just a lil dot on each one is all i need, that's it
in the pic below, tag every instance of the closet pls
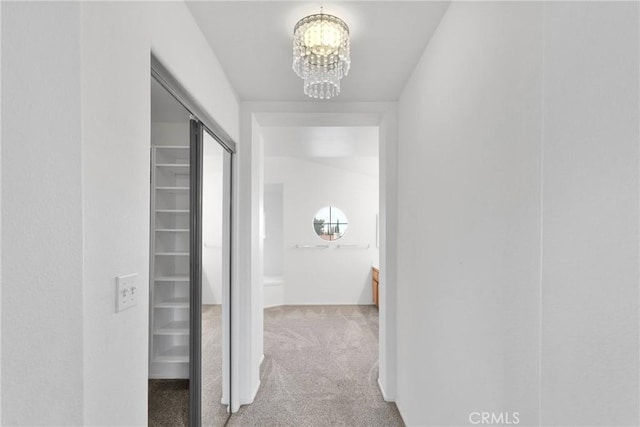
(169, 287)
(189, 260)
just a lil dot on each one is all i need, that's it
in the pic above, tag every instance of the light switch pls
(126, 291)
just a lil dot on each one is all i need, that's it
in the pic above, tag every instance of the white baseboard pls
(400, 412)
(385, 396)
(251, 398)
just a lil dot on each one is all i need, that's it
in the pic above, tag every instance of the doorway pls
(271, 285)
(257, 116)
(321, 199)
(190, 258)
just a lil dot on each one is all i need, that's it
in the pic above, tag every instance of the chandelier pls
(321, 54)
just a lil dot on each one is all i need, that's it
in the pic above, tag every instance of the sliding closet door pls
(216, 186)
(210, 270)
(195, 273)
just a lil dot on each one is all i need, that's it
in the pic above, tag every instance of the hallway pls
(320, 369)
(508, 204)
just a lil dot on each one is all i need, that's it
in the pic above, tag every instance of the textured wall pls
(42, 341)
(117, 41)
(590, 215)
(518, 225)
(469, 218)
(75, 176)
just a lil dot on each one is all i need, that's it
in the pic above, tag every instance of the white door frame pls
(247, 287)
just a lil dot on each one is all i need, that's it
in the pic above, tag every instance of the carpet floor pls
(168, 403)
(320, 369)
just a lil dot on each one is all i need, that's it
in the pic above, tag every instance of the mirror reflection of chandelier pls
(321, 54)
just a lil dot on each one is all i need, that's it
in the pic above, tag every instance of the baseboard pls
(247, 400)
(385, 396)
(250, 400)
(400, 412)
(273, 282)
(315, 304)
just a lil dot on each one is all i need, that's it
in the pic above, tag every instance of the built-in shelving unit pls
(169, 287)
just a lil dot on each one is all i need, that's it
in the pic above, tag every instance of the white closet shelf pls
(175, 354)
(172, 211)
(169, 226)
(172, 279)
(177, 327)
(172, 188)
(173, 303)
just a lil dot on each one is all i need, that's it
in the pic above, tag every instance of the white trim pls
(270, 281)
(236, 288)
(248, 297)
(384, 394)
(250, 399)
(403, 420)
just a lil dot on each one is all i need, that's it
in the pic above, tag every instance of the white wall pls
(469, 218)
(212, 222)
(116, 43)
(0, 221)
(519, 118)
(590, 216)
(42, 376)
(388, 258)
(84, 69)
(273, 295)
(274, 230)
(170, 133)
(327, 276)
(247, 306)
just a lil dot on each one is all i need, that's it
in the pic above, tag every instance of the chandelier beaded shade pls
(321, 54)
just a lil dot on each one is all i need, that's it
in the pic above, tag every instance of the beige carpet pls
(168, 403)
(213, 412)
(320, 369)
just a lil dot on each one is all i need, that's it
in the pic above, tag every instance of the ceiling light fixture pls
(321, 54)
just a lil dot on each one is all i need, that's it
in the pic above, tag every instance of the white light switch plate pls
(126, 291)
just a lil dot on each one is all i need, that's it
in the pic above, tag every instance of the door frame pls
(200, 122)
(248, 303)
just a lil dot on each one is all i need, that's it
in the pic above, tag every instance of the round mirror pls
(330, 223)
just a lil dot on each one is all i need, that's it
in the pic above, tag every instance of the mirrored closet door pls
(189, 292)
(211, 217)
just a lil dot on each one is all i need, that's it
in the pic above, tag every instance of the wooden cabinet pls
(374, 284)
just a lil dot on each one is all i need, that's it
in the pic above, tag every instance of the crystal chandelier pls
(321, 54)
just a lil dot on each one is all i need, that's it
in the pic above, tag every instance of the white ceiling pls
(320, 141)
(253, 41)
(354, 149)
